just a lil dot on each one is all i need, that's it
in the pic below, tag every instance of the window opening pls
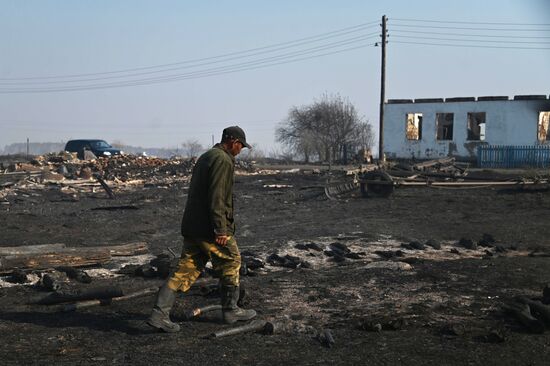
(544, 122)
(444, 125)
(476, 126)
(414, 126)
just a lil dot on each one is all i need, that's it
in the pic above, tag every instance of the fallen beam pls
(253, 326)
(124, 250)
(97, 293)
(32, 249)
(72, 257)
(107, 189)
(128, 249)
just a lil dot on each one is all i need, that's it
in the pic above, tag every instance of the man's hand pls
(222, 239)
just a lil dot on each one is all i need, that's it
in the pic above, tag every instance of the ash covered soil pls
(383, 303)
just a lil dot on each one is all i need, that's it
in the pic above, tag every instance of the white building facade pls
(435, 128)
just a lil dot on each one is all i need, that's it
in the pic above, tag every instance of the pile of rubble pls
(65, 170)
(122, 167)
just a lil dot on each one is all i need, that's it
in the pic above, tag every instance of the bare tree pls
(191, 148)
(326, 129)
(364, 136)
(252, 154)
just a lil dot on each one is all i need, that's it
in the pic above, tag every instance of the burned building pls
(433, 128)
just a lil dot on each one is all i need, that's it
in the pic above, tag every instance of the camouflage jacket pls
(209, 208)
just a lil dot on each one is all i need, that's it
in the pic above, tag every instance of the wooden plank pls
(32, 249)
(128, 249)
(123, 250)
(73, 257)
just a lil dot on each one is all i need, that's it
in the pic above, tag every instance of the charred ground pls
(435, 306)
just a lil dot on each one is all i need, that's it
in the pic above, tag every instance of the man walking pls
(208, 230)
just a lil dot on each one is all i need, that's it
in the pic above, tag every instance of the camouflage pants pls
(226, 261)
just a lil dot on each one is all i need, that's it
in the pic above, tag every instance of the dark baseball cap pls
(237, 133)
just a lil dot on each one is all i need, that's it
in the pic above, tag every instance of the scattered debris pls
(433, 243)
(467, 243)
(391, 265)
(109, 300)
(522, 313)
(288, 261)
(377, 325)
(71, 295)
(256, 325)
(413, 245)
(54, 281)
(326, 338)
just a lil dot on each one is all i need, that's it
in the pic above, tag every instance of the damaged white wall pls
(507, 122)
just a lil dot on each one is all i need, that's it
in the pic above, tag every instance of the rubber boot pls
(231, 312)
(160, 316)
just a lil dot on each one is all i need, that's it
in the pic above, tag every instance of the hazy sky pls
(82, 46)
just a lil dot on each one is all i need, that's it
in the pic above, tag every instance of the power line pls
(322, 46)
(473, 46)
(472, 40)
(462, 22)
(470, 35)
(313, 38)
(471, 28)
(181, 77)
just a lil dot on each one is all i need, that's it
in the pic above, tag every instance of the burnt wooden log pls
(522, 313)
(54, 281)
(107, 189)
(107, 301)
(124, 250)
(75, 274)
(97, 293)
(538, 310)
(31, 249)
(193, 313)
(58, 255)
(73, 257)
(253, 326)
(326, 338)
(546, 294)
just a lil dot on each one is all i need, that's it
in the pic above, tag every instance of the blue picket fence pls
(499, 156)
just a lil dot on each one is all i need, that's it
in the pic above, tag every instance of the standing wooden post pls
(382, 91)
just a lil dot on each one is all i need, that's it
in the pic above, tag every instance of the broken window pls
(444, 125)
(476, 126)
(544, 121)
(414, 126)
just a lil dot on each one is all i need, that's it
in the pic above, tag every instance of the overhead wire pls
(242, 66)
(474, 46)
(463, 22)
(292, 43)
(29, 82)
(471, 40)
(472, 28)
(292, 51)
(215, 72)
(426, 34)
(469, 35)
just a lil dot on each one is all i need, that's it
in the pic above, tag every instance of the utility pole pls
(382, 91)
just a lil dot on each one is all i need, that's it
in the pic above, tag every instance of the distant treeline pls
(41, 148)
